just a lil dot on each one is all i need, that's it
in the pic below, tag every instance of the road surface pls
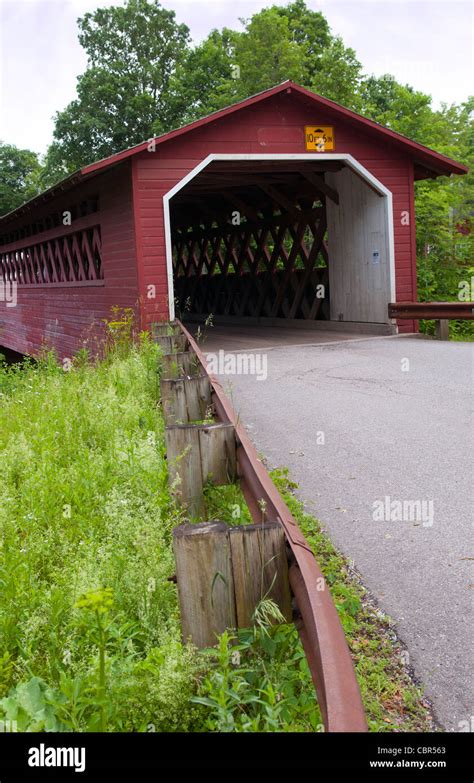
(361, 420)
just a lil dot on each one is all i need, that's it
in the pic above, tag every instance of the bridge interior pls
(249, 241)
(251, 245)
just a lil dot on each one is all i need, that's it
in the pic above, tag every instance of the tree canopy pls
(19, 176)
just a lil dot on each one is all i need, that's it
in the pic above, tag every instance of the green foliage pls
(227, 504)
(85, 515)
(338, 75)
(310, 31)
(203, 80)
(19, 176)
(277, 43)
(260, 681)
(445, 235)
(30, 705)
(89, 622)
(267, 33)
(119, 331)
(123, 96)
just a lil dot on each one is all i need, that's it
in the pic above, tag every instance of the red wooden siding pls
(274, 126)
(67, 314)
(114, 252)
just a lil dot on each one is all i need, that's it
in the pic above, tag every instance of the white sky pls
(427, 43)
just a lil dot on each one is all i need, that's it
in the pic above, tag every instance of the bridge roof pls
(428, 163)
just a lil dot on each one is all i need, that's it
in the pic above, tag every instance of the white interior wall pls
(359, 251)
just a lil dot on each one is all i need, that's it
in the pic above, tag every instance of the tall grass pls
(89, 619)
(84, 507)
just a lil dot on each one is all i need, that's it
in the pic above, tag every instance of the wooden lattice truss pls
(72, 258)
(272, 264)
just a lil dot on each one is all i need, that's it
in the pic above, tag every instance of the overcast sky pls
(427, 43)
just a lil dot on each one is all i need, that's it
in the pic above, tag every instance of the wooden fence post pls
(223, 573)
(204, 577)
(198, 453)
(218, 453)
(184, 467)
(179, 365)
(260, 570)
(174, 343)
(164, 329)
(186, 399)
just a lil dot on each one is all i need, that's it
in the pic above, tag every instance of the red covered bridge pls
(285, 206)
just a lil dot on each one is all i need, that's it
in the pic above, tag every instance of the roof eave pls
(435, 162)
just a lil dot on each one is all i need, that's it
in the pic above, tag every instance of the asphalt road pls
(390, 432)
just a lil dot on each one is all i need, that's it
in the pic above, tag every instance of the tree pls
(19, 176)
(123, 96)
(310, 30)
(398, 107)
(230, 66)
(338, 75)
(266, 53)
(445, 209)
(204, 80)
(278, 43)
(330, 68)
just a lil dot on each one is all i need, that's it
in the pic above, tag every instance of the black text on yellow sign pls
(319, 138)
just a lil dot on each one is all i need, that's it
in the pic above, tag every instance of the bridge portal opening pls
(276, 240)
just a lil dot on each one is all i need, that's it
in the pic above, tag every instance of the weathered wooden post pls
(260, 569)
(205, 583)
(184, 467)
(186, 399)
(196, 454)
(174, 343)
(164, 329)
(442, 329)
(218, 453)
(179, 365)
(223, 574)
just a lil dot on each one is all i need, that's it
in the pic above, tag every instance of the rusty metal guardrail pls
(437, 311)
(317, 619)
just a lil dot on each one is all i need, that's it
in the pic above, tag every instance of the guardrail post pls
(165, 329)
(179, 365)
(186, 399)
(223, 573)
(205, 582)
(173, 343)
(218, 453)
(198, 453)
(442, 329)
(260, 570)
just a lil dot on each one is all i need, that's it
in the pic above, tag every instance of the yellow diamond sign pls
(319, 138)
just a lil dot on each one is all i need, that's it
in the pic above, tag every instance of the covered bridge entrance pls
(283, 208)
(281, 237)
